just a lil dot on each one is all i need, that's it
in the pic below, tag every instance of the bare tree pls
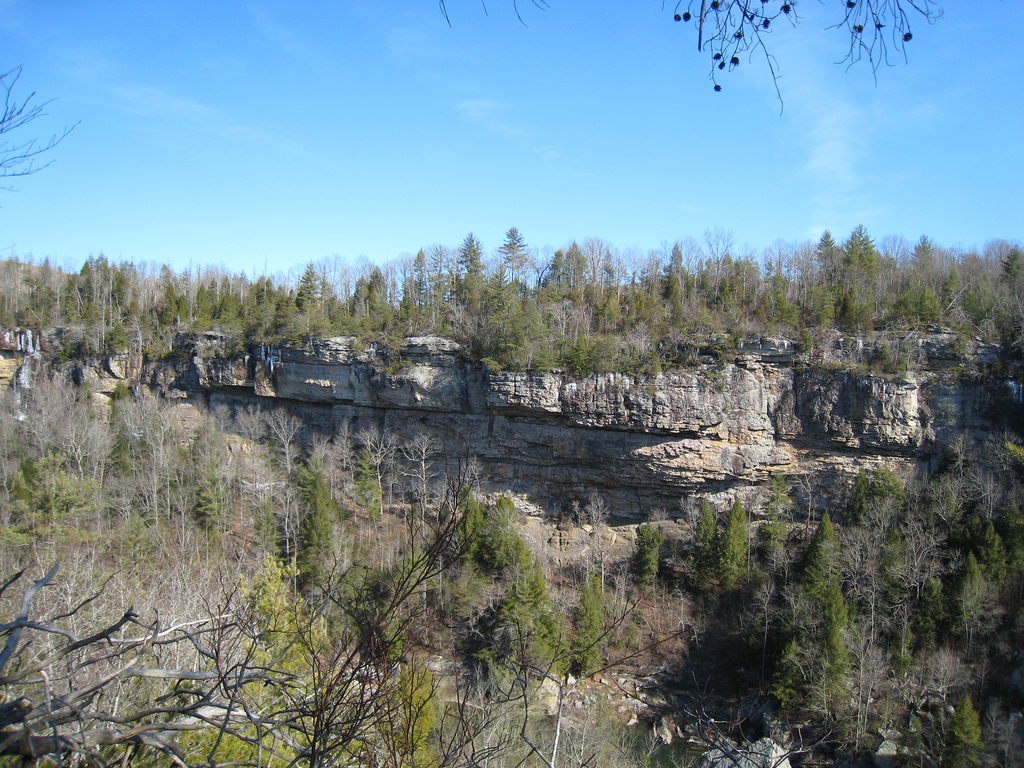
(88, 697)
(377, 455)
(316, 682)
(251, 425)
(343, 444)
(283, 428)
(420, 452)
(870, 669)
(152, 439)
(19, 157)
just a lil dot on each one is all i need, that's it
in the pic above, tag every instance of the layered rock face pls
(641, 443)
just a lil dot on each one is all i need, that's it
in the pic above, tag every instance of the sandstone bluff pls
(718, 427)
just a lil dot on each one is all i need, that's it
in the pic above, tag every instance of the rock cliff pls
(641, 442)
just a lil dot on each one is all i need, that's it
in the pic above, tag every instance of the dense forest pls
(240, 588)
(582, 308)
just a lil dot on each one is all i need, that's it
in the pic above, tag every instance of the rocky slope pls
(642, 443)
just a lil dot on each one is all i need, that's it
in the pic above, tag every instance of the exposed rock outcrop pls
(641, 442)
(764, 753)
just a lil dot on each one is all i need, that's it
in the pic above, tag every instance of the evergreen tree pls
(307, 295)
(930, 618)
(1010, 525)
(368, 487)
(317, 523)
(705, 546)
(819, 562)
(647, 558)
(526, 618)
(886, 486)
(820, 580)
(588, 626)
(575, 269)
(211, 498)
(513, 254)
(46, 496)
(471, 267)
(962, 745)
(772, 532)
(829, 257)
(471, 526)
(891, 567)
(787, 681)
(1013, 266)
(835, 617)
(421, 281)
(503, 333)
(860, 500)
(861, 259)
(416, 705)
(554, 276)
(990, 552)
(501, 547)
(734, 548)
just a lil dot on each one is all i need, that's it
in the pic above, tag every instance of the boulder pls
(763, 753)
(886, 753)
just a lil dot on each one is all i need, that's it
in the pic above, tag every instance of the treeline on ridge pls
(583, 308)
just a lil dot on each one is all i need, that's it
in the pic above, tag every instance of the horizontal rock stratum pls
(712, 429)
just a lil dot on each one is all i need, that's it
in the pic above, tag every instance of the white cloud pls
(148, 101)
(497, 117)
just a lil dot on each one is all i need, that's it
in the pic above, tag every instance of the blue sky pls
(275, 133)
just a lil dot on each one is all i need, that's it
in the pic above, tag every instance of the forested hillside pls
(586, 307)
(242, 587)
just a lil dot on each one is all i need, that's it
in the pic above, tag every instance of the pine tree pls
(471, 266)
(317, 523)
(828, 256)
(1013, 266)
(1010, 525)
(211, 498)
(962, 746)
(705, 546)
(646, 558)
(772, 532)
(526, 618)
(991, 554)
(891, 566)
(886, 486)
(930, 618)
(308, 292)
(513, 254)
(835, 616)
(420, 280)
(819, 562)
(416, 705)
(820, 580)
(471, 526)
(734, 549)
(861, 258)
(787, 681)
(860, 499)
(501, 547)
(588, 626)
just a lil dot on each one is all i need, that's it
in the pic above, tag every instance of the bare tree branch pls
(19, 158)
